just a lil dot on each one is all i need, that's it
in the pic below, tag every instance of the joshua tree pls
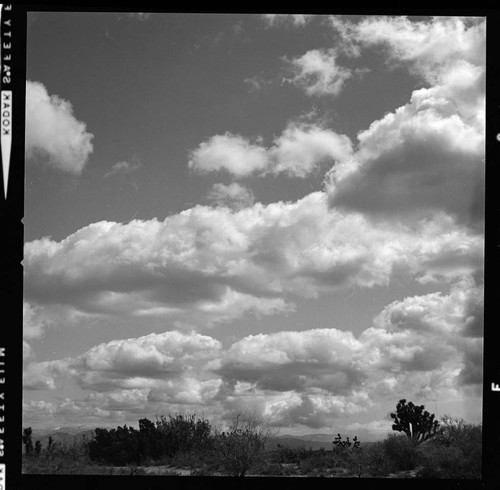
(417, 424)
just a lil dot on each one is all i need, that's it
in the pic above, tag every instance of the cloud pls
(68, 412)
(284, 361)
(318, 73)
(123, 167)
(460, 312)
(440, 328)
(256, 83)
(232, 153)
(313, 377)
(27, 351)
(34, 323)
(53, 135)
(429, 47)
(300, 149)
(420, 347)
(211, 264)
(234, 195)
(129, 364)
(295, 20)
(297, 152)
(427, 155)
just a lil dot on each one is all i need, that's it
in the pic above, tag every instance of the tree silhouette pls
(27, 441)
(418, 424)
(243, 446)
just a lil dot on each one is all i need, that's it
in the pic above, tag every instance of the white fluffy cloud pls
(430, 47)
(207, 264)
(229, 152)
(427, 155)
(422, 347)
(297, 152)
(152, 361)
(234, 195)
(300, 149)
(53, 133)
(318, 72)
(422, 157)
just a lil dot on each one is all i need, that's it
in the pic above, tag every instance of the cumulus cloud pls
(459, 312)
(422, 157)
(420, 347)
(427, 155)
(430, 47)
(234, 195)
(318, 72)
(456, 319)
(313, 377)
(53, 134)
(297, 152)
(229, 152)
(300, 149)
(285, 361)
(34, 323)
(212, 264)
(144, 362)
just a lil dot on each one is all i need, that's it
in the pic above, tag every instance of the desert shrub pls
(400, 452)
(243, 446)
(377, 463)
(285, 454)
(307, 466)
(349, 455)
(59, 459)
(181, 434)
(165, 439)
(289, 470)
(270, 469)
(192, 459)
(455, 453)
(118, 447)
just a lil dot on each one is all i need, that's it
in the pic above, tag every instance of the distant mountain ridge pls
(70, 434)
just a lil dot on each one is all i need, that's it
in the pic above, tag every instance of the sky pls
(275, 213)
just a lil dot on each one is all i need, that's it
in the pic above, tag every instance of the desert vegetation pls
(419, 447)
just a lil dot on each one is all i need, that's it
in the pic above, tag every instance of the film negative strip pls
(6, 93)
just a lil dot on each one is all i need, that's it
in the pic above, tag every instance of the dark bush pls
(400, 452)
(243, 446)
(167, 438)
(454, 453)
(119, 447)
(377, 461)
(183, 434)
